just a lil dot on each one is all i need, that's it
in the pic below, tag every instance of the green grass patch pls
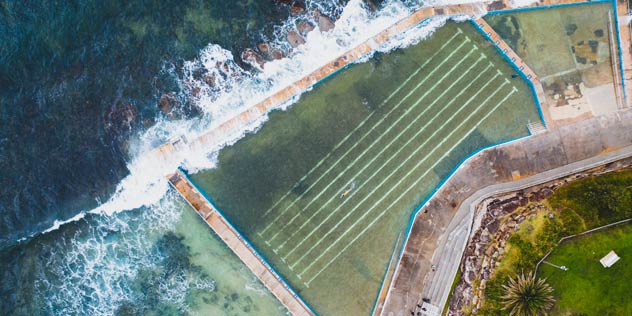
(596, 200)
(588, 288)
(582, 205)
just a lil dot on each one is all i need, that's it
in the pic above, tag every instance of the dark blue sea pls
(87, 226)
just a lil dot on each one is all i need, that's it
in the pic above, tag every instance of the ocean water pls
(87, 224)
(159, 260)
(80, 80)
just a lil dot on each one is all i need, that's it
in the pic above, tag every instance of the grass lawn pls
(577, 207)
(588, 288)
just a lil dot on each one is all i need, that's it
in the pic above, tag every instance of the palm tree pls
(527, 296)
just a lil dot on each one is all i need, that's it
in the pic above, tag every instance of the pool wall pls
(242, 237)
(538, 104)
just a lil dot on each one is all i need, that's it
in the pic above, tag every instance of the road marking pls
(419, 148)
(366, 150)
(392, 156)
(393, 203)
(364, 121)
(361, 139)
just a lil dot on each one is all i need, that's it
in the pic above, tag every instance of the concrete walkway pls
(231, 128)
(238, 244)
(450, 251)
(436, 236)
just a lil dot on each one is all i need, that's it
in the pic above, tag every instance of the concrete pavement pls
(536, 158)
(448, 255)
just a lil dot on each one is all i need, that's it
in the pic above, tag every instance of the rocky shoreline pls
(496, 219)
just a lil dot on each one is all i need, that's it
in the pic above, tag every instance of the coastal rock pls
(264, 48)
(371, 5)
(270, 51)
(121, 119)
(297, 8)
(210, 79)
(167, 103)
(295, 39)
(324, 23)
(304, 27)
(251, 57)
(277, 54)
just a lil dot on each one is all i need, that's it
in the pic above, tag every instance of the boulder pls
(304, 27)
(490, 250)
(485, 263)
(485, 236)
(167, 102)
(324, 23)
(295, 39)
(251, 57)
(470, 277)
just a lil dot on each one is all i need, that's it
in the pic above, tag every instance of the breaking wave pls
(221, 89)
(96, 266)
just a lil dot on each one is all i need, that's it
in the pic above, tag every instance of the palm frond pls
(526, 295)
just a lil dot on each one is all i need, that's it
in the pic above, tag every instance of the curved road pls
(452, 246)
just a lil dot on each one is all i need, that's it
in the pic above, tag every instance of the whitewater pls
(115, 243)
(236, 89)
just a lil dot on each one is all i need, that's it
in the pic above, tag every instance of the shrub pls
(527, 296)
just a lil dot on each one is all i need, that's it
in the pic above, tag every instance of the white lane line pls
(363, 137)
(397, 200)
(364, 122)
(410, 156)
(366, 150)
(421, 129)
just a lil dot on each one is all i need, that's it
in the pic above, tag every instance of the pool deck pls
(238, 244)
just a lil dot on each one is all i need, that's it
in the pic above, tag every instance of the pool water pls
(344, 275)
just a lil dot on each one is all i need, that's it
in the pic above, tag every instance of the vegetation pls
(527, 296)
(587, 288)
(582, 205)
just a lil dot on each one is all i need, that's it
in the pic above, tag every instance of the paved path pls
(237, 243)
(450, 251)
(530, 158)
(231, 128)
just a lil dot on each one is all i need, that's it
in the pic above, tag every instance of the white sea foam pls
(94, 271)
(94, 268)
(231, 90)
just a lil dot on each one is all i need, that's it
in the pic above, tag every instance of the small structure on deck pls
(609, 259)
